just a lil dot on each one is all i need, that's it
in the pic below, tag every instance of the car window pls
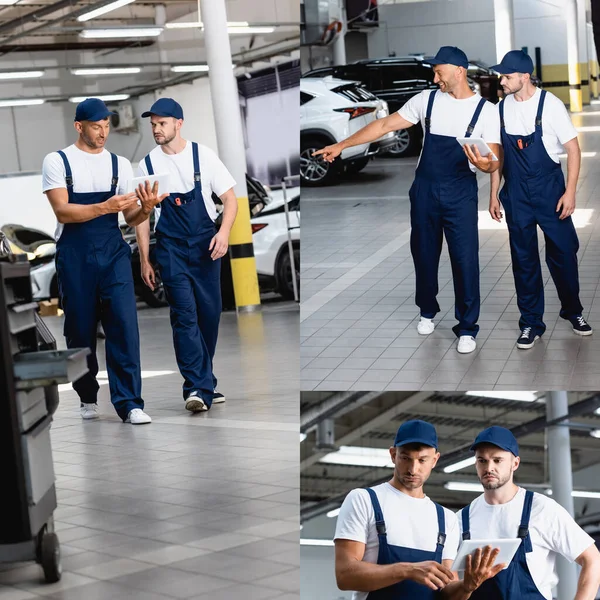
(304, 98)
(398, 76)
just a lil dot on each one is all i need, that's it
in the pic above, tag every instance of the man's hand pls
(481, 162)
(149, 196)
(219, 245)
(117, 204)
(329, 153)
(432, 574)
(480, 567)
(495, 209)
(567, 203)
(148, 275)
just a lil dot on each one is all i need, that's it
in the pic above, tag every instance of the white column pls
(339, 44)
(504, 27)
(561, 478)
(571, 19)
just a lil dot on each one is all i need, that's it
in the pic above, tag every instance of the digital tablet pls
(163, 183)
(483, 148)
(508, 548)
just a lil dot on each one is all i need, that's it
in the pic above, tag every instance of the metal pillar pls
(561, 478)
(571, 18)
(230, 140)
(504, 27)
(339, 44)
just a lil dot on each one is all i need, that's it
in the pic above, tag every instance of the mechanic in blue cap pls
(535, 126)
(546, 529)
(87, 188)
(188, 248)
(443, 196)
(393, 543)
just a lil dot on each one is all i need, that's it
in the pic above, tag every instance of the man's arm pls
(495, 180)
(589, 578)
(373, 131)
(220, 243)
(80, 213)
(352, 573)
(142, 234)
(566, 205)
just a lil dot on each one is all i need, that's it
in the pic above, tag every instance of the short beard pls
(498, 484)
(89, 142)
(166, 140)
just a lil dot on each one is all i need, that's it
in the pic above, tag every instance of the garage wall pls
(317, 574)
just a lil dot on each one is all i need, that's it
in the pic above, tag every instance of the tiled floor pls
(191, 506)
(358, 317)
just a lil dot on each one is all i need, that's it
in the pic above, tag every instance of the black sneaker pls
(527, 338)
(218, 398)
(581, 326)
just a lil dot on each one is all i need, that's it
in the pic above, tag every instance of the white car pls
(331, 110)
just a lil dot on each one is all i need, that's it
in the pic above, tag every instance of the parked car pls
(331, 110)
(398, 79)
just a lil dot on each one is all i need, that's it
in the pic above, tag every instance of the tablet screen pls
(508, 548)
(162, 178)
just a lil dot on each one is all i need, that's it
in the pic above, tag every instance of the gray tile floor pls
(358, 317)
(191, 506)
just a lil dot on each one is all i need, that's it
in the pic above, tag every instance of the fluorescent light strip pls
(309, 542)
(103, 10)
(520, 396)
(8, 2)
(21, 74)
(333, 513)
(125, 32)
(31, 102)
(579, 494)
(107, 71)
(460, 465)
(359, 456)
(108, 98)
(197, 24)
(232, 28)
(583, 154)
(302, 437)
(595, 433)
(192, 68)
(457, 486)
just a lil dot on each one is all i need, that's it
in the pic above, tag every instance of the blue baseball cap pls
(449, 55)
(416, 432)
(515, 61)
(165, 107)
(498, 436)
(92, 109)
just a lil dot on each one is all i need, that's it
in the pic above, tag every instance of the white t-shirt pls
(410, 522)
(551, 528)
(452, 117)
(557, 128)
(91, 173)
(180, 167)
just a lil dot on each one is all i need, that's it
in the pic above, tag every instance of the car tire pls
(284, 284)
(157, 297)
(315, 172)
(357, 165)
(407, 142)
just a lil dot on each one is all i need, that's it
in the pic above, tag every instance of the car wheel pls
(405, 143)
(315, 171)
(285, 285)
(157, 297)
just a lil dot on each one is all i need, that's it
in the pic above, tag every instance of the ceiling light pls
(597, 411)
(8, 2)
(237, 30)
(521, 396)
(359, 456)
(579, 494)
(189, 68)
(197, 24)
(333, 513)
(108, 98)
(103, 10)
(460, 465)
(302, 437)
(457, 486)
(107, 71)
(30, 102)
(122, 32)
(595, 433)
(308, 542)
(21, 74)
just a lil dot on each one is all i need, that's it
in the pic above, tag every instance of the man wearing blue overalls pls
(546, 529)
(86, 186)
(443, 196)
(188, 248)
(535, 126)
(393, 543)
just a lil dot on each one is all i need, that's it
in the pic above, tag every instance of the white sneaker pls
(194, 403)
(218, 398)
(89, 411)
(425, 326)
(466, 344)
(137, 416)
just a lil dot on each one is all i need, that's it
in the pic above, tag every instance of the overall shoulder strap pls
(501, 110)
(524, 527)
(379, 522)
(68, 172)
(540, 110)
(441, 537)
(197, 175)
(115, 173)
(475, 118)
(429, 109)
(466, 533)
(149, 165)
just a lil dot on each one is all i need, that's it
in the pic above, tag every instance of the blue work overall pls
(93, 265)
(514, 582)
(534, 184)
(192, 281)
(388, 555)
(443, 201)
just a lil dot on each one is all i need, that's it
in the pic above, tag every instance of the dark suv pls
(396, 80)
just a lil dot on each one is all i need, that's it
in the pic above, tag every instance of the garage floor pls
(191, 506)
(358, 317)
